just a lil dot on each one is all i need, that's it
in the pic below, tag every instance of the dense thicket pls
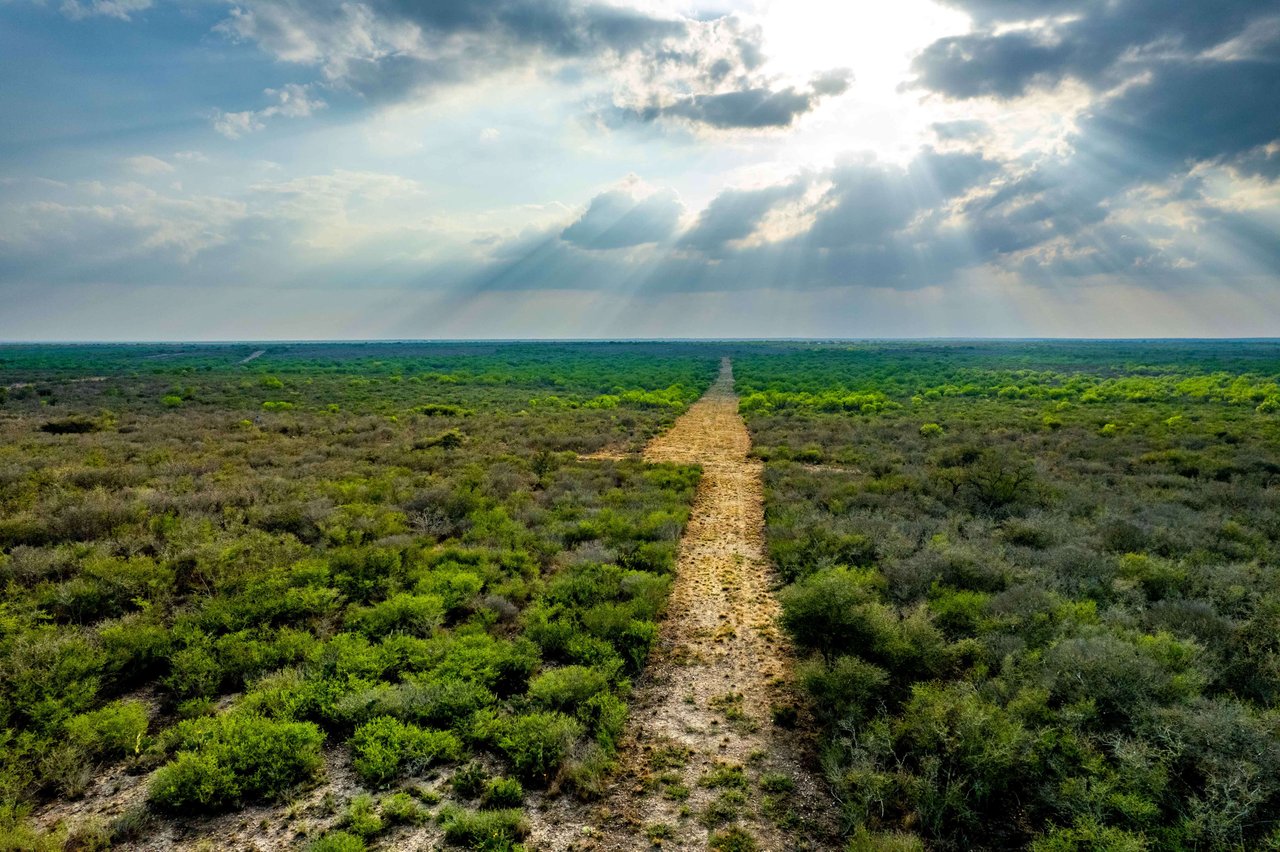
(1039, 585)
(217, 573)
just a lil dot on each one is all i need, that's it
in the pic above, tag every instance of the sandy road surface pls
(701, 736)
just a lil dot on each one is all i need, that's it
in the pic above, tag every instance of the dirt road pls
(703, 754)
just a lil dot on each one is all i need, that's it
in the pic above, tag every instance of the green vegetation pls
(214, 572)
(1038, 584)
(1034, 585)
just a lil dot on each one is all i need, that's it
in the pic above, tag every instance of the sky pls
(331, 169)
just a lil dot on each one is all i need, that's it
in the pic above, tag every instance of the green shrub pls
(225, 760)
(831, 610)
(416, 615)
(1087, 836)
(846, 689)
(337, 841)
(52, 674)
(864, 840)
(136, 649)
(733, 839)
(116, 730)
(361, 817)
(430, 701)
(486, 831)
(194, 672)
(605, 715)
(402, 809)
(567, 687)
(537, 744)
(776, 782)
(385, 748)
(503, 793)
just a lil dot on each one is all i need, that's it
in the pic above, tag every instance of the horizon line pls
(527, 340)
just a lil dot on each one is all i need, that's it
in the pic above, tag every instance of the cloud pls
(1019, 46)
(291, 101)
(705, 71)
(753, 108)
(120, 9)
(619, 219)
(148, 165)
(126, 233)
(736, 214)
(1173, 88)
(962, 130)
(1201, 111)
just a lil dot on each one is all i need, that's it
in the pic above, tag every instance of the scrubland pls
(392, 596)
(223, 580)
(1038, 583)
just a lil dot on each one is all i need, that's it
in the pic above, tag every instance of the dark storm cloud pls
(617, 219)
(1102, 42)
(872, 224)
(736, 214)
(1178, 85)
(754, 108)
(869, 202)
(704, 71)
(750, 108)
(557, 27)
(1193, 112)
(1097, 41)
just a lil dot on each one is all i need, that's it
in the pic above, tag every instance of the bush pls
(469, 781)
(864, 840)
(194, 673)
(337, 841)
(486, 831)
(503, 793)
(567, 687)
(361, 818)
(51, 675)
(429, 702)
(116, 730)
(605, 715)
(416, 615)
(538, 743)
(71, 426)
(829, 610)
(983, 750)
(1087, 836)
(734, 839)
(402, 809)
(385, 748)
(847, 688)
(235, 758)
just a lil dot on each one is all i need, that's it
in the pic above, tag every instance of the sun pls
(877, 42)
